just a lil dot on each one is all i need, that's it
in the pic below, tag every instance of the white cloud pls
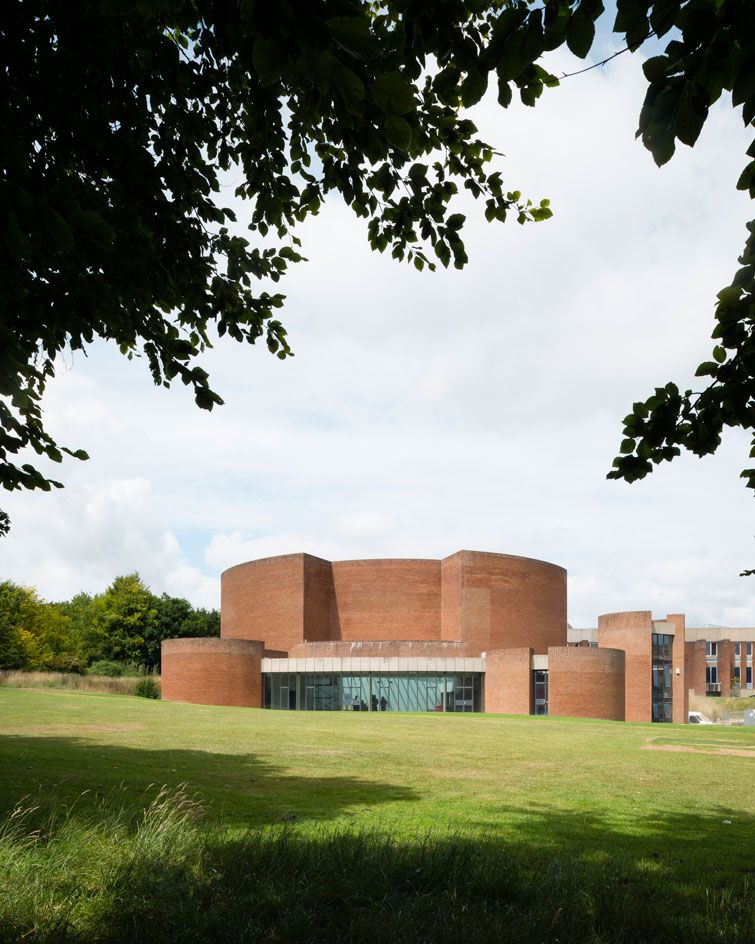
(425, 413)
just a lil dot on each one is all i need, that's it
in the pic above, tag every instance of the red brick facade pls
(695, 661)
(487, 601)
(385, 599)
(212, 671)
(725, 663)
(508, 681)
(633, 632)
(585, 682)
(510, 609)
(384, 648)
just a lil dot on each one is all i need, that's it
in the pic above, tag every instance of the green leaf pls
(268, 59)
(393, 94)
(744, 84)
(58, 228)
(656, 68)
(353, 33)
(580, 33)
(98, 230)
(747, 177)
(15, 239)
(398, 131)
(504, 93)
(473, 87)
(350, 85)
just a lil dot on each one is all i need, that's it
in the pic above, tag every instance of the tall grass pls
(69, 875)
(718, 709)
(124, 685)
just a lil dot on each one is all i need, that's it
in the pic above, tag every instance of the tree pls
(33, 634)
(120, 618)
(175, 617)
(120, 121)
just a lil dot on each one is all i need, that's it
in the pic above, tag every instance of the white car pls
(697, 717)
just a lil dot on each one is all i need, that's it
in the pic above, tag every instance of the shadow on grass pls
(176, 879)
(243, 789)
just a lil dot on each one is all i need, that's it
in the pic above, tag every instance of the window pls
(749, 650)
(661, 682)
(737, 649)
(748, 677)
(540, 691)
(711, 674)
(373, 691)
(711, 649)
(737, 675)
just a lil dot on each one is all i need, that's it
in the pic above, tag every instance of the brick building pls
(472, 632)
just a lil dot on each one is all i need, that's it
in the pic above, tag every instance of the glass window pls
(661, 680)
(373, 691)
(748, 676)
(711, 674)
(711, 649)
(540, 691)
(737, 650)
(737, 674)
(749, 650)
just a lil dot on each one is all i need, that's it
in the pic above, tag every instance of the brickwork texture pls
(212, 671)
(484, 600)
(508, 681)
(584, 682)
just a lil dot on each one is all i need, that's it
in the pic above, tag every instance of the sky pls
(426, 413)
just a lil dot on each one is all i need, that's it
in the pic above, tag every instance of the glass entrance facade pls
(540, 691)
(662, 681)
(373, 691)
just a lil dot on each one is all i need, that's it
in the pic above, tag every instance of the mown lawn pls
(589, 830)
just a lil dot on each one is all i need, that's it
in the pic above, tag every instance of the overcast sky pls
(427, 413)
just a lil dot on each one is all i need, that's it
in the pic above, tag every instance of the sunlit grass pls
(401, 827)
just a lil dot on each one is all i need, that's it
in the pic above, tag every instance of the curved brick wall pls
(212, 671)
(507, 602)
(386, 599)
(584, 682)
(431, 649)
(483, 600)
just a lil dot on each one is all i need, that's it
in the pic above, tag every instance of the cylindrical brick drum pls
(212, 671)
(584, 682)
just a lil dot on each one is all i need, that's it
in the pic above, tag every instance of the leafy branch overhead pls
(124, 124)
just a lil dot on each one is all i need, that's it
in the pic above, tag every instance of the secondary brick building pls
(472, 632)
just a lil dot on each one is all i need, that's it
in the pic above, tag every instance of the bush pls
(147, 687)
(106, 667)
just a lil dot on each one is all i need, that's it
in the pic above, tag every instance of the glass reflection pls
(373, 691)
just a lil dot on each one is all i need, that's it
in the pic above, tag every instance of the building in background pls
(475, 631)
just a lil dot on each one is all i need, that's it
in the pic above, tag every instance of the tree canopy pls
(123, 626)
(122, 122)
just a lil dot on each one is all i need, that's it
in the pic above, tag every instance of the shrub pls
(147, 687)
(106, 667)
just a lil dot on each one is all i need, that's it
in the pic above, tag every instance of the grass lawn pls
(588, 830)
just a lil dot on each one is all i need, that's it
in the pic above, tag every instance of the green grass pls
(368, 827)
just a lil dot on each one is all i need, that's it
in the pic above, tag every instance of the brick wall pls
(264, 599)
(694, 659)
(318, 597)
(487, 601)
(426, 648)
(508, 681)
(386, 599)
(586, 682)
(680, 689)
(212, 671)
(725, 664)
(450, 597)
(632, 632)
(510, 602)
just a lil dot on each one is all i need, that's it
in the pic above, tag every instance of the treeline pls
(118, 630)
